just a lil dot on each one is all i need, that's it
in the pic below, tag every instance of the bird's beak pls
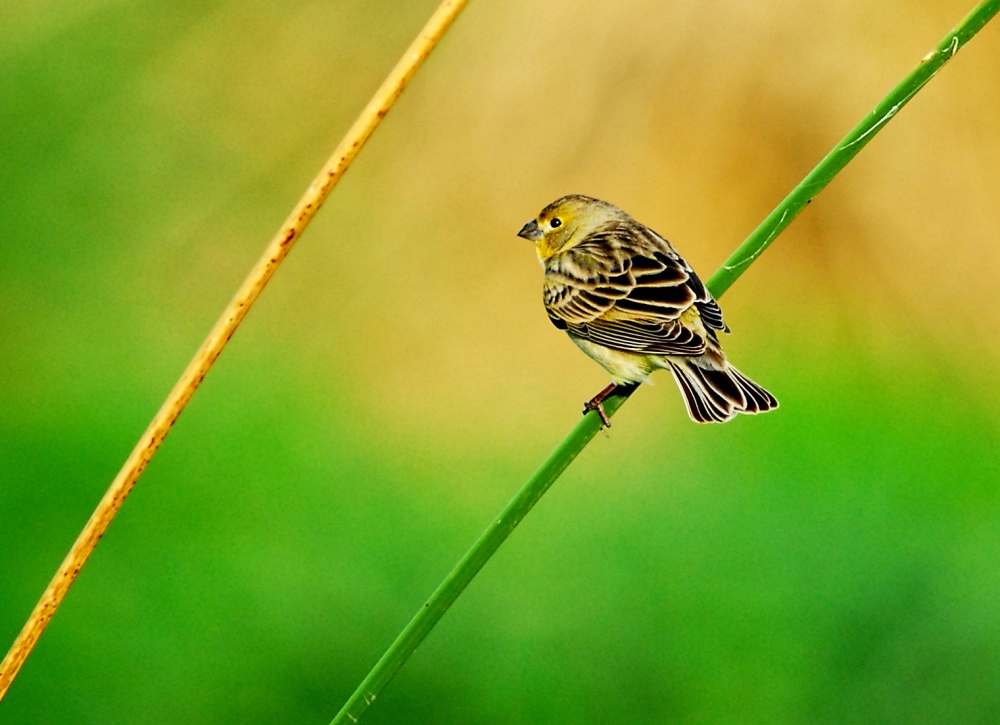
(531, 231)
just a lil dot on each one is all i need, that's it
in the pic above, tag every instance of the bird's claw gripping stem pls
(596, 404)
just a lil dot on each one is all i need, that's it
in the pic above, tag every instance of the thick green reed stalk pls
(508, 519)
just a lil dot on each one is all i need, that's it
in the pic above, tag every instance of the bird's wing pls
(628, 289)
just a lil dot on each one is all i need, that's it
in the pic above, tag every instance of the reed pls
(507, 520)
(212, 347)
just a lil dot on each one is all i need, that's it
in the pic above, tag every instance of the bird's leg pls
(596, 404)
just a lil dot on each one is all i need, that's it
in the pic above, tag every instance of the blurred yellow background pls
(832, 562)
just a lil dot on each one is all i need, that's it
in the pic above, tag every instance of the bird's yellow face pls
(566, 222)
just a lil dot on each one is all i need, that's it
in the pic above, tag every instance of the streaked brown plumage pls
(627, 298)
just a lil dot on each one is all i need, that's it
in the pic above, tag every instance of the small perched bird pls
(627, 298)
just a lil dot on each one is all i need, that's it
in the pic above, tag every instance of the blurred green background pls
(835, 561)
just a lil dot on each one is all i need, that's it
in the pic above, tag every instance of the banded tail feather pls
(717, 395)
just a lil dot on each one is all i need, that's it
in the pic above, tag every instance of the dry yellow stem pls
(233, 315)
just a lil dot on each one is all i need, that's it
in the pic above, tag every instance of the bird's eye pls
(555, 223)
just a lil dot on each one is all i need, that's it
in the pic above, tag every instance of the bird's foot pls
(596, 404)
(598, 408)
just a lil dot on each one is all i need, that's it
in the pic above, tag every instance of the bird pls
(628, 299)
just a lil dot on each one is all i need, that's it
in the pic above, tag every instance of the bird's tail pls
(716, 394)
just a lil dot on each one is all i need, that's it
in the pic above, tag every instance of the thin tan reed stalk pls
(231, 318)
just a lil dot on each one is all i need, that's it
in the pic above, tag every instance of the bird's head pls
(566, 222)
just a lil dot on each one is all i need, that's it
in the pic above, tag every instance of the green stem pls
(453, 585)
(847, 149)
(584, 431)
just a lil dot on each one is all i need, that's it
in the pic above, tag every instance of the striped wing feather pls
(626, 288)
